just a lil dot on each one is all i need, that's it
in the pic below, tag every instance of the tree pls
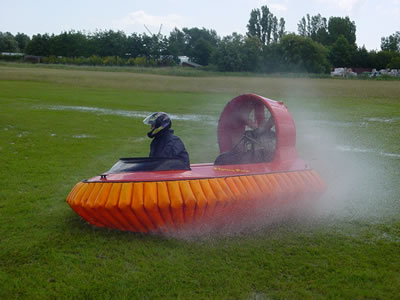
(302, 27)
(341, 52)
(109, 43)
(274, 30)
(361, 58)
(395, 62)
(228, 57)
(264, 25)
(193, 47)
(135, 47)
(176, 43)
(251, 51)
(319, 29)
(314, 27)
(238, 53)
(152, 46)
(8, 43)
(202, 51)
(39, 45)
(69, 44)
(321, 36)
(22, 40)
(281, 28)
(272, 59)
(254, 25)
(341, 26)
(391, 43)
(267, 19)
(301, 54)
(383, 59)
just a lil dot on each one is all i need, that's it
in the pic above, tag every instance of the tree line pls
(318, 45)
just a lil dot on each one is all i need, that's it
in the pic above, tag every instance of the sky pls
(374, 19)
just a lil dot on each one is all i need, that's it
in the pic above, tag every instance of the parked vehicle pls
(343, 72)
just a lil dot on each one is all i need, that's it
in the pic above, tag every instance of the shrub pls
(141, 61)
(11, 57)
(95, 60)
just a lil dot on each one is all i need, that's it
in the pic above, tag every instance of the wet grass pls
(47, 251)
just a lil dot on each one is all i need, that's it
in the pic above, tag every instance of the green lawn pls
(58, 126)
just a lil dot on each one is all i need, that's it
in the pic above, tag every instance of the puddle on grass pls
(383, 120)
(129, 113)
(82, 136)
(140, 139)
(344, 148)
(331, 123)
(23, 134)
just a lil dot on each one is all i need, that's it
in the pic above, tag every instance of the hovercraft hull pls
(174, 202)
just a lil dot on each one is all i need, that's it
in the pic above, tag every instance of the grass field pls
(58, 126)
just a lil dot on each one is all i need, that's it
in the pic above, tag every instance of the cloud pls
(138, 19)
(346, 5)
(388, 11)
(278, 7)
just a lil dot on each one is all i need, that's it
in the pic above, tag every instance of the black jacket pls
(167, 145)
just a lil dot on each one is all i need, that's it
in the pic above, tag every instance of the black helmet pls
(159, 121)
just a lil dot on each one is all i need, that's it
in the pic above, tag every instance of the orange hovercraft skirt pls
(171, 205)
(148, 195)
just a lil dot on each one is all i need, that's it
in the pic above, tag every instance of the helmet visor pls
(151, 119)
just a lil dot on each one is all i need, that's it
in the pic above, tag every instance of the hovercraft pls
(258, 166)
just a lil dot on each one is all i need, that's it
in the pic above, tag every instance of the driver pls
(165, 144)
(265, 139)
(264, 130)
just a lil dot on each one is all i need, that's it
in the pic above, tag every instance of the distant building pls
(185, 62)
(183, 59)
(12, 54)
